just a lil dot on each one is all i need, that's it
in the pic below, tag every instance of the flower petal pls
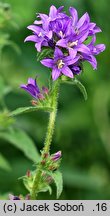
(83, 49)
(69, 60)
(38, 46)
(92, 41)
(38, 22)
(31, 81)
(34, 83)
(92, 60)
(55, 73)
(74, 15)
(60, 9)
(48, 62)
(83, 20)
(62, 43)
(29, 88)
(49, 34)
(67, 72)
(99, 48)
(35, 29)
(72, 53)
(32, 38)
(58, 53)
(83, 36)
(53, 12)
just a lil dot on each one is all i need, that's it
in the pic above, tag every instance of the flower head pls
(68, 37)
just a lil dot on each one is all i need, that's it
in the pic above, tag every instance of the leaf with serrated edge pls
(46, 52)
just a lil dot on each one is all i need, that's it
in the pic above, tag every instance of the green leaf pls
(81, 87)
(28, 109)
(77, 83)
(46, 52)
(4, 164)
(57, 177)
(22, 141)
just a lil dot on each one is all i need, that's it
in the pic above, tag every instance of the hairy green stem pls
(48, 139)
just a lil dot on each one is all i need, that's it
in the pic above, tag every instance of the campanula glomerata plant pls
(62, 43)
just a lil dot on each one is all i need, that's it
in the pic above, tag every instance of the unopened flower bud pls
(40, 96)
(33, 102)
(27, 197)
(43, 162)
(45, 155)
(56, 156)
(28, 173)
(45, 90)
(53, 167)
(49, 179)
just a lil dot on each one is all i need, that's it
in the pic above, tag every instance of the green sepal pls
(46, 52)
(28, 180)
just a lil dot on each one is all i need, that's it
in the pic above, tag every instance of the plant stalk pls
(48, 139)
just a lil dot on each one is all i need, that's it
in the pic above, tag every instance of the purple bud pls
(27, 197)
(33, 102)
(45, 155)
(45, 90)
(12, 197)
(28, 173)
(43, 162)
(49, 179)
(40, 96)
(56, 156)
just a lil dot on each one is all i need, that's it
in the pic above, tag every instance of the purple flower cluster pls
(68, 38)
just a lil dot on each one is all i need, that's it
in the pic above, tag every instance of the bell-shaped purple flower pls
(95, 49)
(76, 69)
(33, 89)
(83, 24)
(60, 64)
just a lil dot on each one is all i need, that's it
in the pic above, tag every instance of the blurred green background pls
(82, 128)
